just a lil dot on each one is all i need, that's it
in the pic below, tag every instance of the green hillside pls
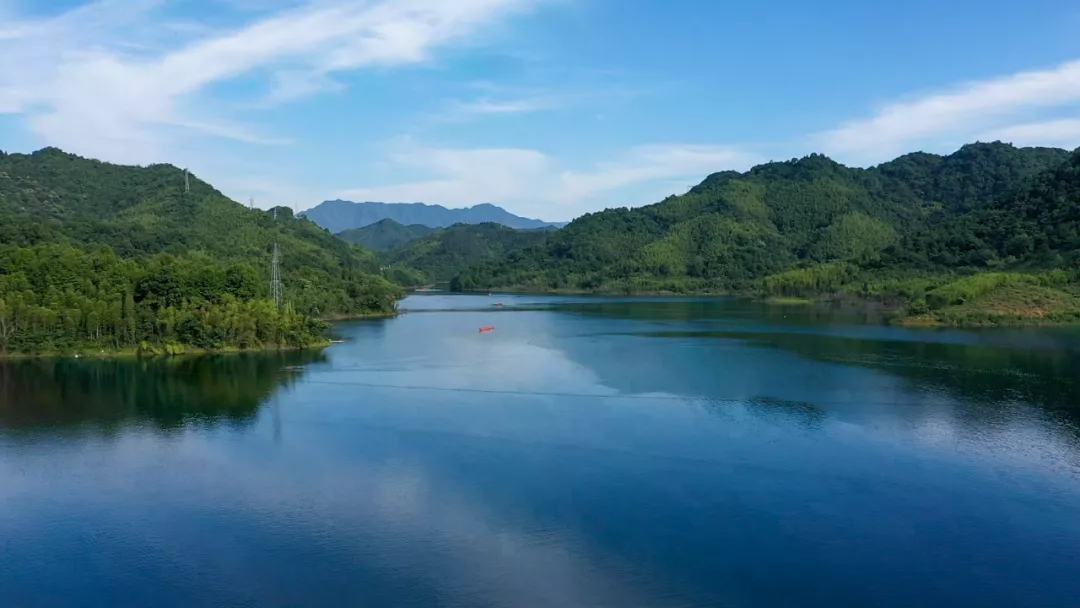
(445, 252)
(811, 227)
(385, 235)
(970, 178)
(108, 257)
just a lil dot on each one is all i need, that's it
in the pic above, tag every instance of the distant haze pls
(338, 215)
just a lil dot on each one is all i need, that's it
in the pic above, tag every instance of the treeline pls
(107, 257)
(56, 299)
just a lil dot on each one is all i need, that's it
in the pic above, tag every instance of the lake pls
(587, 452)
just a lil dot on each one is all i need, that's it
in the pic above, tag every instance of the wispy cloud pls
(97, 81)
(1064, 132)
(574, 89)
(642, 164)
(136, 81)
(954, 116)
(460, 176)
(535, 184)
(485, 106)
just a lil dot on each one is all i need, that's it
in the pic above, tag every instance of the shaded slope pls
(384, 235)
(446, 252)
(971, 177)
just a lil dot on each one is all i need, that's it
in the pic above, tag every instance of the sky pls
(548, 108)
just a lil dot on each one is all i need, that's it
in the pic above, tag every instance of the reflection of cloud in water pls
(949, 396)
(504, 361)
(388, 517)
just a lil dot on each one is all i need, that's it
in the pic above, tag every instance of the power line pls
(641, 397)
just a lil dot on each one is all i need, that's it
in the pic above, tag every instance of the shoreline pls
(924, 321)
(182, 350)
(360, 316)
(892, 311)
(135, 353)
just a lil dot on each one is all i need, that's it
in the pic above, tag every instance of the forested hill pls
(338, 216)
(816, 223)
(384, 235)
(96, 255)
(970, 178)
(1035, 224)
(443, 253)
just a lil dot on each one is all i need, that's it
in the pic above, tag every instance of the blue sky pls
(550, 108)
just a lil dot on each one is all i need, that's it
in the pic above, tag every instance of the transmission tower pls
(275, 277)
(187, 185)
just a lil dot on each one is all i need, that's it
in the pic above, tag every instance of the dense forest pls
(439, 256)
(991, 222)
(385, 235)
(99, 257)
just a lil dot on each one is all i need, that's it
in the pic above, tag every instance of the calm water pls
(588, 452)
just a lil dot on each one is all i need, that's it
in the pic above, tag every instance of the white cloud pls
(953, 117)
(461, 177)
(128, 81)
(1064, 132)
(574, 88)
(105, 80)
(486, 106)
(649, 163)
(982, 110)
(532, 183)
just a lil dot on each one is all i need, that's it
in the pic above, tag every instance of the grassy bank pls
(958, 300)
(1006, 305)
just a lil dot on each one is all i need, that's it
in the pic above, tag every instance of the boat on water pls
(487, 328)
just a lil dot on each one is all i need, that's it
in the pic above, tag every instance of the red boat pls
(488, 328)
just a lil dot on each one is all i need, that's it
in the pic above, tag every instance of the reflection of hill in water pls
(165, 392)
(972, 373)
(729, 309)
(1034, 367)
(979, 385)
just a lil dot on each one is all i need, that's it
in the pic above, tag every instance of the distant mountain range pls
(338, 215)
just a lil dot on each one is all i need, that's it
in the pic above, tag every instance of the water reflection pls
(167, 393)
(988, 374)
(564, 459)
(697, 309)
(967, 391)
